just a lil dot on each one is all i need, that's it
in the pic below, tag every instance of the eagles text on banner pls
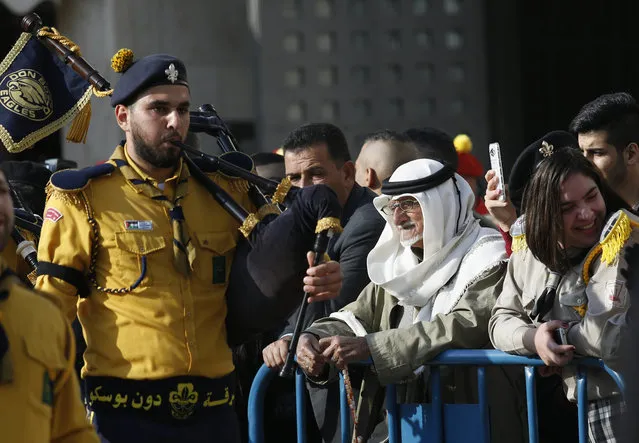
(39, 94)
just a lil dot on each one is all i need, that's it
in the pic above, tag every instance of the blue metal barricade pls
(436, 409)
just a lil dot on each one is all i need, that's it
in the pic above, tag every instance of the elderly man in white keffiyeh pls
(435, 275)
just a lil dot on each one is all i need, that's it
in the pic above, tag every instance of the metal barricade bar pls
(464, 357)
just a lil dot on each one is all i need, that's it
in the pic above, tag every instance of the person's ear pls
(631, 154)
(122, 116)
(372, 180)
(348, 172)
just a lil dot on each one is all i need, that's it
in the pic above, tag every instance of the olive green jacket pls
(398, 353)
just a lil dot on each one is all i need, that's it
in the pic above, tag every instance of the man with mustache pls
(318, 153)
(149, 251)
(435, 273)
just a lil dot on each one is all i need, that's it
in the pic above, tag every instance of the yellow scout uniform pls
(104, 239)
(592, 297)
(39, 393)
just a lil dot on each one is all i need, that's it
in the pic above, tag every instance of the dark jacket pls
(362, 227)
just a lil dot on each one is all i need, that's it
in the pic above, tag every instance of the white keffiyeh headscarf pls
(450, 231)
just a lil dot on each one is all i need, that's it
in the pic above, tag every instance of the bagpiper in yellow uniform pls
(149, 251)
(150, 262)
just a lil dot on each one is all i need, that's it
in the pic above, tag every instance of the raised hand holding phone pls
(494, 152)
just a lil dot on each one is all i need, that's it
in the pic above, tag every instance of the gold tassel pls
(249, 223)
(519, 243)
(235, 184)
(328, 223)
(585, 271)
(615, 239)
(282, 189)
(267, 210)
(80, 125)
(581, 309)
(239, 185)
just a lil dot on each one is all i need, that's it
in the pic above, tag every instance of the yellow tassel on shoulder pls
(581, 309)
(519, 243)
(80, 125)
(615, 239)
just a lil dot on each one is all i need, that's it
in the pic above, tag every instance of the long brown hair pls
(542, 204)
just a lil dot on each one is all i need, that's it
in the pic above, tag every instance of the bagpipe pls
(270, 260)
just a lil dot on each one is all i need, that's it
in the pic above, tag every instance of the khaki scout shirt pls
(169, 325)
(39, 392)
(595, 334)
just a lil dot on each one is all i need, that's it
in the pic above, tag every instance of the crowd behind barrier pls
(404, 418)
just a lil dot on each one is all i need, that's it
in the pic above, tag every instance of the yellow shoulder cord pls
(95, 235)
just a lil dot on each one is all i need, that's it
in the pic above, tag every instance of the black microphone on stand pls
(320, 246)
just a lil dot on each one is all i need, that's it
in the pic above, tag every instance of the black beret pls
(528, 160)
(152, 70)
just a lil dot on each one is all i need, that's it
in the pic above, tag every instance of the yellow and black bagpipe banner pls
(39, 94)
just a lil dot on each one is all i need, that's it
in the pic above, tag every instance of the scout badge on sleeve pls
(39, 93)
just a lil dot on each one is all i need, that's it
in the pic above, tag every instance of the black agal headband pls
(418, 185)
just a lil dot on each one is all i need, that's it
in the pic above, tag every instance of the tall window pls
(293, 42)
(295, 77)
(330, 110)
(296, 112)
(420, 7)
(291, 8)
(452, 7)
(326, 42)
(327, 76)
(324, 8)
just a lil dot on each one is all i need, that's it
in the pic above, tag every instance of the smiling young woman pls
(561, 281)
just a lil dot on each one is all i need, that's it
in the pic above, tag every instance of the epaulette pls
(72, 180)
(614, 236)
(518, 234)
(213, 171)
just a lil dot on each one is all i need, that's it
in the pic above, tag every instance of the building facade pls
(371, 64)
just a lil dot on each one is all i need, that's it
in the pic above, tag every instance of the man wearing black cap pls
(149, 252)
(434, 275)
(608, 133)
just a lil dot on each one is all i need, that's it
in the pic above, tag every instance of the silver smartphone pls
(495, 164)
(561, 336)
